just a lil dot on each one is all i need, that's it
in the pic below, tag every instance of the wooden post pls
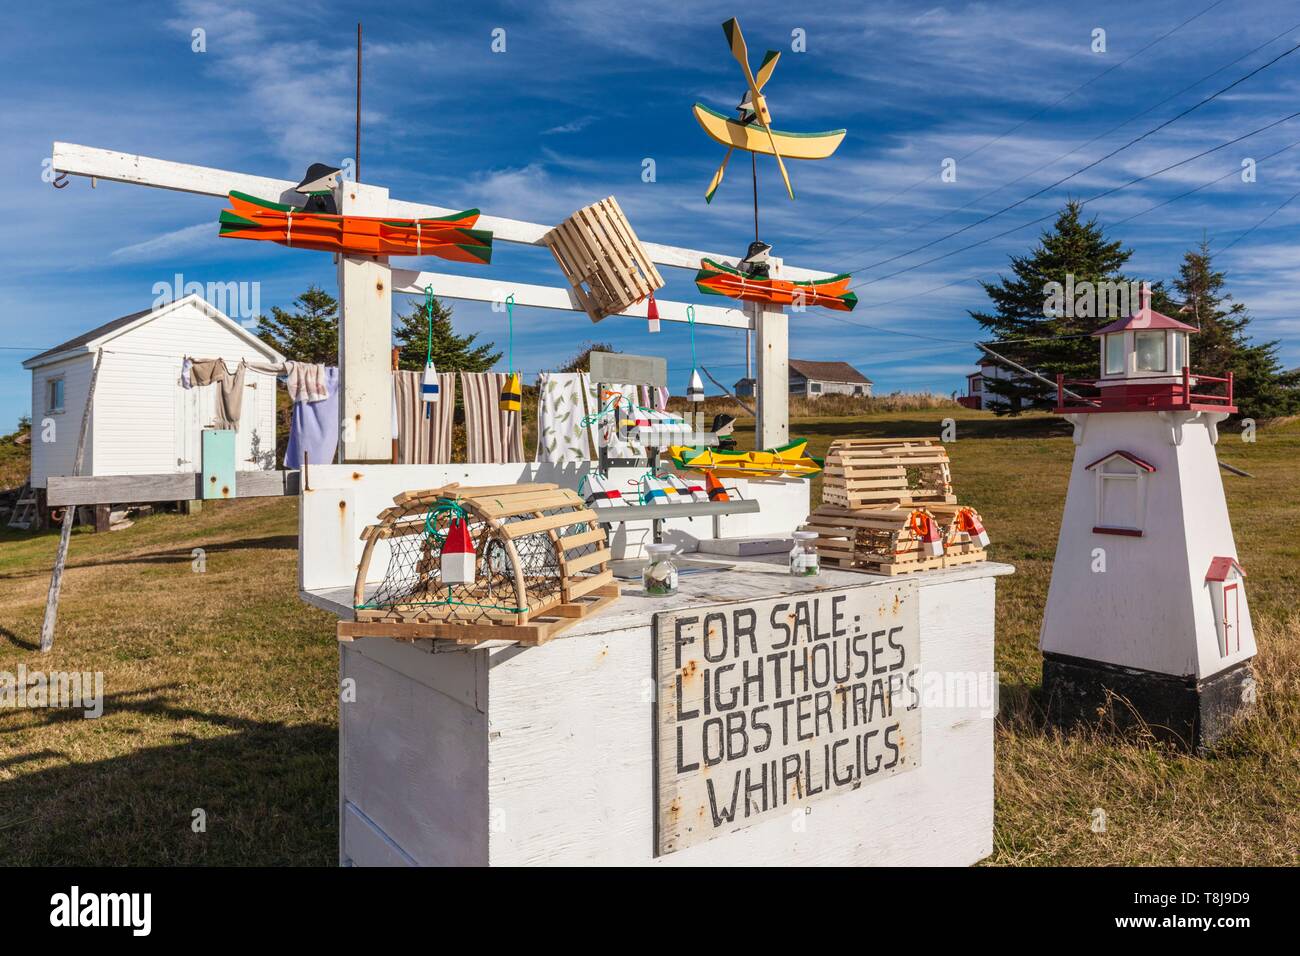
(396, 355)
(103, 517)
(365, 339)
(772, 428)
(61, 557)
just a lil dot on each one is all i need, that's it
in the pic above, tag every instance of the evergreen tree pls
(1261, 387)
(310, 333)
(582, 361)
(1063, 344)
(451, 352)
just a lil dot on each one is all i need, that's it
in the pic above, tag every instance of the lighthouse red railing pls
(1136, 395)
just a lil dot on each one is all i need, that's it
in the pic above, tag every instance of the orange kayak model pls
(718, 279)
(449, 237)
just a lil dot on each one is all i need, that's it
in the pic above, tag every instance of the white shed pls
(142, 420)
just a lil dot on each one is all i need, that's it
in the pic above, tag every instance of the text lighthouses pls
(1147, 601)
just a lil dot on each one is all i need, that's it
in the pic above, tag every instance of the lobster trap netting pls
(530, 550)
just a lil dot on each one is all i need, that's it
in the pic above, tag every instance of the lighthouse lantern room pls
(1146, 614)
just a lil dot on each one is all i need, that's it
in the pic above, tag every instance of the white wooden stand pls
(508, 756)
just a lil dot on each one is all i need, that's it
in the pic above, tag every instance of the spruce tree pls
(1061, 342)
(451, 352)
(310, 333)
(1262, 389)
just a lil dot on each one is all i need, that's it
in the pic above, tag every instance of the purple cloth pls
(315, 427)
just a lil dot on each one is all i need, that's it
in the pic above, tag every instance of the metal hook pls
(60, 181)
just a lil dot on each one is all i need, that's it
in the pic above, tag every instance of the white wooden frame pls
(366, 285)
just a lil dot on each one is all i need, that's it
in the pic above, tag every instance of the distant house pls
(815, 379)
(977, 395)
(142, 421)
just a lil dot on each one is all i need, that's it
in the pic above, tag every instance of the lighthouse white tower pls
(1147, 601)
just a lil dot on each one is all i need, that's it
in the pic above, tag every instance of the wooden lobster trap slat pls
(866, 472)
(539, 564)
(895, 540)
(605, 263)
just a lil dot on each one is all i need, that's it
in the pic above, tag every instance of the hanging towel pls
(618, 428)
(185, 373)
(420, 440)
(491, 436)
(305, 381)
(561, 408)
(314, 426)
(230, 388)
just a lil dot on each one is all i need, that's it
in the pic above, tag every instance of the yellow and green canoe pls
(791, 461)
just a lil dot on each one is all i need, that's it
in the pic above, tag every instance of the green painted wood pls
(218, 479)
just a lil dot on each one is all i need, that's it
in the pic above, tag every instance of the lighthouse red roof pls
(1146, 318)
(1221, 566)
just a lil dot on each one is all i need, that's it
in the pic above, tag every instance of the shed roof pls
(94, 338)
(828, 371)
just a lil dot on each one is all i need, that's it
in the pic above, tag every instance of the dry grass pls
(221, 684)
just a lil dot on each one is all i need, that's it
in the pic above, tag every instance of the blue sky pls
(585, 91)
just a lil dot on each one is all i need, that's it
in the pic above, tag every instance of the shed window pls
(1115, 354)
(54, 395)
(1150, 349)
(814, 387)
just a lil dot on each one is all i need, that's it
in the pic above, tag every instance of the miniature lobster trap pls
(604, 261)
(510, 562)
(861, 472)
(898, 539)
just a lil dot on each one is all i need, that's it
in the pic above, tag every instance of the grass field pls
(220, 686)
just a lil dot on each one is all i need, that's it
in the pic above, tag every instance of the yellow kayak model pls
(754, 138)
(789, 460)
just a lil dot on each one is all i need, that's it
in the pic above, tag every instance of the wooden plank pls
(773, 401)
(587, 585)
(113, 166)
(470, 288)
(181, 486)
(584, 561)
(519, 529)
(65, 533)
(571, 541)
(509, 507)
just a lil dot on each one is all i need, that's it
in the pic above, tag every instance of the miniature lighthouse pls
(1147, 600)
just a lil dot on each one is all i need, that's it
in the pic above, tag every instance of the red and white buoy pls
(968, 520)
(927, 532)
(457, 559)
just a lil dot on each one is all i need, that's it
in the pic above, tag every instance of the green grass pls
(221, 684)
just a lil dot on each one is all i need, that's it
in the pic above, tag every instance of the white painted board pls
(765, 706)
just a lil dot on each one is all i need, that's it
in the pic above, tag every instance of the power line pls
(1284, 204)
(1031, 117)
(1100, 195)
(1088, 143)
(1083, 169)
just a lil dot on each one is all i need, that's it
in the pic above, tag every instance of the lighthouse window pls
(1121, 497)
(1150, 349)
(1180, 352)
(1115, 354)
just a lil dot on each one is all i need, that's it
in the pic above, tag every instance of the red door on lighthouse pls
(1231, 619)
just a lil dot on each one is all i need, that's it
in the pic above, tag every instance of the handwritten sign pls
(765, 706)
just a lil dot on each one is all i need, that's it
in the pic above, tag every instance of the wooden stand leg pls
(102, 513)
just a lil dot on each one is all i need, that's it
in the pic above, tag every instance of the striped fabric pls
(420, 440)
(491, 435)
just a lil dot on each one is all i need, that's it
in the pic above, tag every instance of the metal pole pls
(357, 149)
(1020, 368)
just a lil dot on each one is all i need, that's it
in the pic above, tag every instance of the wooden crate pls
(605, 263)
(870, 472)
(881, 540)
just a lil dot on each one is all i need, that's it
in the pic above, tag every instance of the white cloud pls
(178, 240)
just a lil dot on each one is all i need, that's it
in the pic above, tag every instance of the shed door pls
(195, 408)
(1231, 618)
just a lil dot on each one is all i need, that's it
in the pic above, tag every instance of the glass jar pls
(659, 576)
(803, 556)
